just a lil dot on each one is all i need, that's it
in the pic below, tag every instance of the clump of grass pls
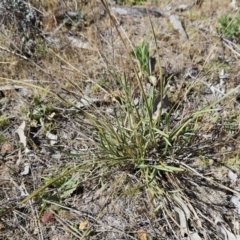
(2, 138)
(40, 109)
(229, 25)
(3, 120)
(141, 53)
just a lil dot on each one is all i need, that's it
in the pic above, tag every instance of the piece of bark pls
(135, 11)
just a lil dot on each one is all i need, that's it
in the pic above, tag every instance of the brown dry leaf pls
(66, 214)
(83, 225)
(5, 148)
(142, 234)
(51, 116)
(1, 226)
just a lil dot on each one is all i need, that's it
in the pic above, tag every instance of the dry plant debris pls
(65, 66)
